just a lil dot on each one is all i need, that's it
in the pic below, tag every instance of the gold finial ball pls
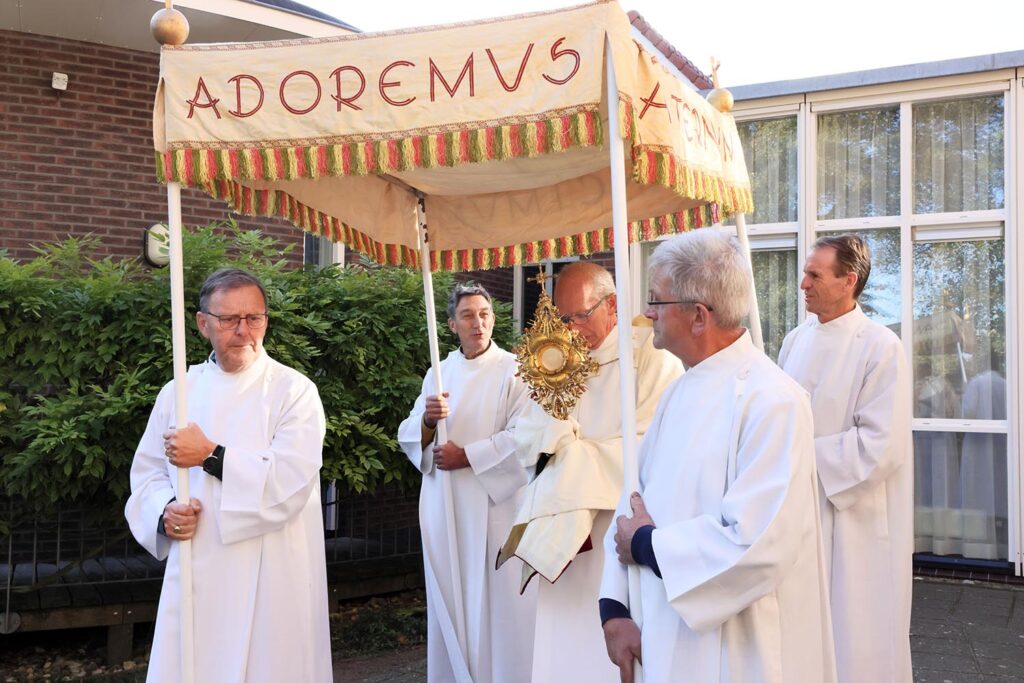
(169, 27)
(721, 99)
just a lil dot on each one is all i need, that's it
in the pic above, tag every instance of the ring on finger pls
(177, 529)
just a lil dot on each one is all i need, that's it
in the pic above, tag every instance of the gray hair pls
(460, 291)
(708, 267)
(225, 280)
(596, 275)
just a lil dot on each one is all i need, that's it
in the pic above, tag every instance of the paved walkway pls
(965, 632)
(962, 632)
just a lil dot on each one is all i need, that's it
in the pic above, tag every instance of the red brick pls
(81, 162)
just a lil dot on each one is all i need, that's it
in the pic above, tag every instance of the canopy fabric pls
(501, 124)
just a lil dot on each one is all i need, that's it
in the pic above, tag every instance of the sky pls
(764, 40)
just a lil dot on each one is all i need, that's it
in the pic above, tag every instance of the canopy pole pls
(722, 100)
(458, 619)
(428, 301)
(181, 420)
(755, 311)
(627, 372)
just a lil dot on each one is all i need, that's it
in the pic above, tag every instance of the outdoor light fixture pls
(59, 81)
(155, 245)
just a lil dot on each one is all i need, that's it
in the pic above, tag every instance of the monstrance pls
(553, 360)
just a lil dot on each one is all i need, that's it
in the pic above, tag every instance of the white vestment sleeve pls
(151, 480)
(858, 459)
(787, 344)
(714, 568)
(614, 575)
(264, 489)
(410, 435)
(493, 459)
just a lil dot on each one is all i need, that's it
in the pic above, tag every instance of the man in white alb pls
(479, 628)
(724, 528)
(569, 505)
(856, 372)
(253, 448)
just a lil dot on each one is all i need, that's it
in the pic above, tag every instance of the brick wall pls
(81, 161)
(499, 281)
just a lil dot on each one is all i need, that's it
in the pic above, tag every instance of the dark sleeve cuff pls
(214, 464)
(160, 522)
(643, 549)
(612, 609)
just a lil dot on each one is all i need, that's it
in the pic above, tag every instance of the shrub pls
(85, 346)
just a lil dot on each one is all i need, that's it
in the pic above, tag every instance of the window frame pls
(947, 226)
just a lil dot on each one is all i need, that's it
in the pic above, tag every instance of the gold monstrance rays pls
(553, 360)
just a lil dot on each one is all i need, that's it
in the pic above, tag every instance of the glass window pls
(310, 249)
(317, 251)
(770, 151)
(775, 279)
(958, 155)
(880, 299)
(531, 290)
(961, 494)
(859, 163)
(959, 330)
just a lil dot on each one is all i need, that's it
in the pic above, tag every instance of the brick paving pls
(961, 632)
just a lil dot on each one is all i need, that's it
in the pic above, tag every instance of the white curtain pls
(775, 279)
(958, 155)
(858, 170)
(770, 150)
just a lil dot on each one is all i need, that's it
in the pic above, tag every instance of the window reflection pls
(775, 279)
(959, 325)
(770, 150)
(958, 155)
(961, 489)
(858, 170)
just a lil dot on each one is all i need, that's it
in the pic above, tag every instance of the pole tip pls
(169, 27)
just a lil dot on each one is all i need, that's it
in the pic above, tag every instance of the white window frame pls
(1014, 205)
(768, 113)
(953, 226)
(330, 252)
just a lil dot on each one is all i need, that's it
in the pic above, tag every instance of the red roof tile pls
(678, 60)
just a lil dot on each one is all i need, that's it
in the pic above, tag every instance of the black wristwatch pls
(214, 463)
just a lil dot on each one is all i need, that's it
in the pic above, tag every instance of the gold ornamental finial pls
(719, 98)
(540, 278)
(169, 26)
(554, 361)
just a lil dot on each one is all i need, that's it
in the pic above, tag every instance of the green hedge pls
(85, 345)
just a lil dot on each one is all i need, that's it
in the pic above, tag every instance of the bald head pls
(587, 272)
(586, 292)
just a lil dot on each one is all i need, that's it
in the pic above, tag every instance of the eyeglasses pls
(666, 303)
(580, 318)
(255, 321)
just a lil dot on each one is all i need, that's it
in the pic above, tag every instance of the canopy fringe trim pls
(657, 165)
(580, 244)
(278, 203)
(199, 166)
